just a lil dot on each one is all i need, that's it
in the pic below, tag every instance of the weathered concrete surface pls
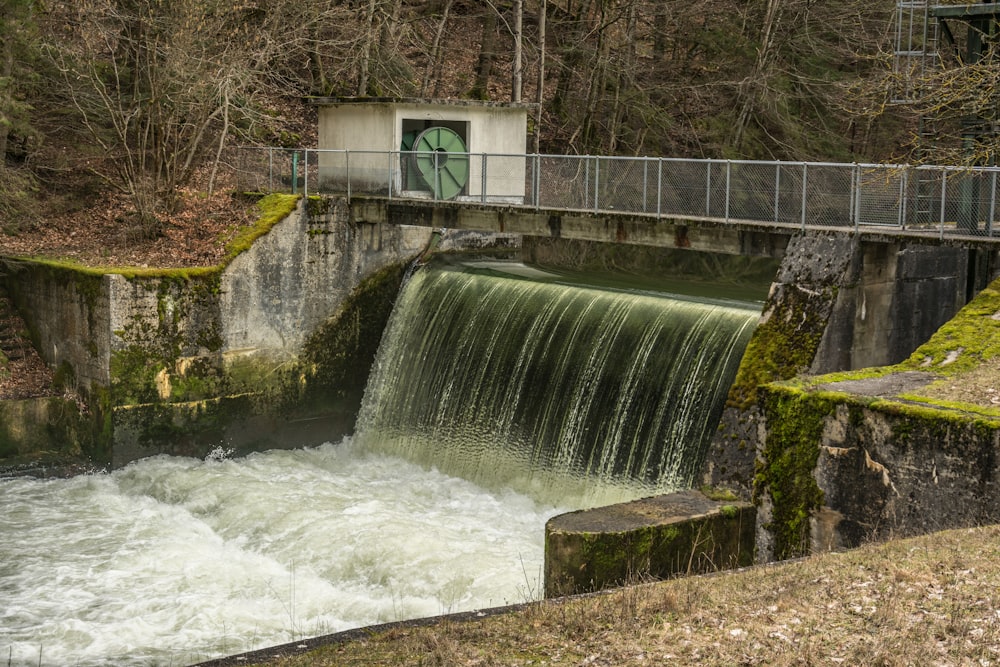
(795, 319)
(47, 428)
(878, 469)
(658, 537)
(893, 298)
(708, 234)
(190, 361)
(838, 303)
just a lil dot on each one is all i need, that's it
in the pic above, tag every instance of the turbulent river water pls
(170, 561)
(548, 394)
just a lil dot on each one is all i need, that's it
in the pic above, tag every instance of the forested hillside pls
(131, 101)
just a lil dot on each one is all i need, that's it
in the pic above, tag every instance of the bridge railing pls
(945, 200)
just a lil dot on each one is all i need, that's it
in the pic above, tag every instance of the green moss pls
(782, 347)
(965, 341)
(795, 422)
(273, 209)
(718, 493)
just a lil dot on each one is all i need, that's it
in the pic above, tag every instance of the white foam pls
(172, 560)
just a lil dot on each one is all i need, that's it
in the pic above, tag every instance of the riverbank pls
(928, 600)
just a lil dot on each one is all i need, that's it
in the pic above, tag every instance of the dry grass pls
(932, 600)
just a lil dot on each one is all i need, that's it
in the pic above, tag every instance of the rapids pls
(501, 396)
(171, 561)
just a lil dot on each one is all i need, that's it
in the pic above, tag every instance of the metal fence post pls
(777, 190)
(659, 186)
(729, 170)
(904, 182)
(645, 179)
(805, 184)
(597, 182)
(852, 197)
(993, 205)
(305, 177)
(347, 170)
(537, 181)
(944, 198)
(388, 169)
(482, 193)
(708, 189)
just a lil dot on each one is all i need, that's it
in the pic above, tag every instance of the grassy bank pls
(931, 600)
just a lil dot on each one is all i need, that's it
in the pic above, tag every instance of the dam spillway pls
(548, 391)
(578, 393)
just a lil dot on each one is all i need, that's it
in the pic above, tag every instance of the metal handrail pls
(934, 198)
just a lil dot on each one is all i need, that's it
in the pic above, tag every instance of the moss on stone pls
(965, 341)
(785, 470)
(782, 346)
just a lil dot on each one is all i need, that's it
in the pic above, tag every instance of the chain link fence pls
(945, 200)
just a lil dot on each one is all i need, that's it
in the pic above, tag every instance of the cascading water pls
(578, 395)
(549, 395)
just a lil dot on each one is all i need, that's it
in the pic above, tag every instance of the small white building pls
(444, 149)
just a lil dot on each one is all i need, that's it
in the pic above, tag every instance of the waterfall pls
(577, 394)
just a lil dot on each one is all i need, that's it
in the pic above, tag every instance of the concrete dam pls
(516, 376)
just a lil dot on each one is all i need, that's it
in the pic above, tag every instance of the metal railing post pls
(645, 179)
(805, 184)
(852, 195)
(777, 190)
(857, 196)
(537, 181)
(347, 170)
(305, 177)
(388, 167)
(993, 205)
(729, 171)
(904, 182)
(708, 189)
(659, 186)
(597, 181)
(944, 198)
(586, 182)
(482, 193)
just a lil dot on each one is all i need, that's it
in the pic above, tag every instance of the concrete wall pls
(67, 312)
(190, 347)
(837, 303)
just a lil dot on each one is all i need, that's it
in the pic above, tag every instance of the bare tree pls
(154, 84)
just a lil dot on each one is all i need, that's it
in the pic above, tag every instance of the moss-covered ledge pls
(674, 534)
(887, 451)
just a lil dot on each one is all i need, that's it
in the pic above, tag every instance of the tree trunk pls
(6, 70)
(540, 95)
(434, 67)
(364, 66)
(515, 84)
(487, 55)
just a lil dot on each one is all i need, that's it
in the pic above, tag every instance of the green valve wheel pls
(442, 161)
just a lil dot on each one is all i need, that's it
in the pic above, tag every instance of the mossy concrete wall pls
(271, 350)
(51, 428)
(653, 538)
(838, 302)
(838, 470)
